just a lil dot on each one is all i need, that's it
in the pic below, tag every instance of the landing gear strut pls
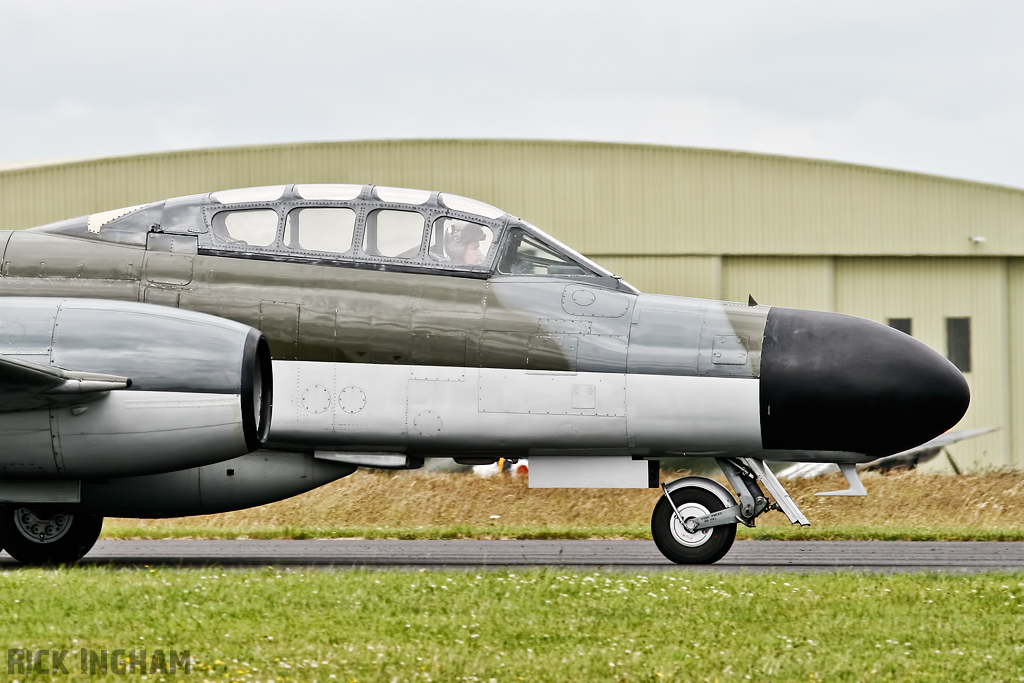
(695, 521)
(38, 537)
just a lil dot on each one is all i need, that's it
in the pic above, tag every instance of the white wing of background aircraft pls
(908, 459)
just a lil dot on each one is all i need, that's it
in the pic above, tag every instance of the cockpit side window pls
(251, 227)
(393, 234)
(320, 229)
(459, 242)
(526, 255)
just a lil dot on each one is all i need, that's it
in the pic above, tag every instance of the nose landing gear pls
(38, 537)
(677, 542)
(695, 521)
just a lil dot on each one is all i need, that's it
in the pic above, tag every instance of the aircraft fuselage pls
(413, 324)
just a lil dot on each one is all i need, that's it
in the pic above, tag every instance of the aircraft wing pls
(28, 386)
(947, 439)
(906, 459)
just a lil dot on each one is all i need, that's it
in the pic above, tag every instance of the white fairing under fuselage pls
(430, 410)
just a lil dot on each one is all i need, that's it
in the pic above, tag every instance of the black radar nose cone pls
(833, 382)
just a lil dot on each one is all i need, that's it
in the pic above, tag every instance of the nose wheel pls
(695, 521)
(42, 538)
(672, 531)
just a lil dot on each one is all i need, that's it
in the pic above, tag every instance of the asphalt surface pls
(751, 556)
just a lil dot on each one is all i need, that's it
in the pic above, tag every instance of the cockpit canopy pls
(368, 226)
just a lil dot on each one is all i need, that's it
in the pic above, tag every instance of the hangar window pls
(958, 343)
(253, 227)
(395, 234)
(460, 243)
(525, 255)
(320, 229)
(901, 324)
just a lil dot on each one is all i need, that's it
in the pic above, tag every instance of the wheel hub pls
(41, 529)
(692, 539)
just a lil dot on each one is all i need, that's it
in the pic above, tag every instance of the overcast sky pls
(930, 86)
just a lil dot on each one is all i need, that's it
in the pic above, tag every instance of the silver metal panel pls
(434, 373)
(508, 298)
(162, 296)
(365, 405)
(594, 302)
(730, 330)
(692, 415)
(254, 479)
(136, 433)
(729, 349)
(664, 336)
(281, 320)
(604, 353)
(168, 258)
(122, 433)
(582, 472)
(158, 348)
(25, 448)
(26, 326)
(562, 326)
(445, 415)
(40, 491)
(550, 393)
(435, 410)
(584, 397)
(541, 346)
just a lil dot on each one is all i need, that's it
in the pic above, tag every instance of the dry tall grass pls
(414, 500)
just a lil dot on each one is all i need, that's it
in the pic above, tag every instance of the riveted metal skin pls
(359, 307)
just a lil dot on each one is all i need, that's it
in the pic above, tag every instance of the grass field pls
(909, 505)
(541, 625)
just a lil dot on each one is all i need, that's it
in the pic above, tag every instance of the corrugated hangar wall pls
(791, 232)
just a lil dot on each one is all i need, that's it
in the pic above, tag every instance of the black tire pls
(704, 547)
(74, 535)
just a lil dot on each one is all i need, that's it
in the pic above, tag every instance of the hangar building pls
(942, 259)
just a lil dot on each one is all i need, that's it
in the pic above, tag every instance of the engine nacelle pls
(201, 389)
(254, 479)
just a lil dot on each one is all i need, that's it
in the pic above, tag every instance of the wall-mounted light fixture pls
(977, 239)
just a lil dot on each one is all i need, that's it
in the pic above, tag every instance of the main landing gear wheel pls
(44, 538)
(704, 546)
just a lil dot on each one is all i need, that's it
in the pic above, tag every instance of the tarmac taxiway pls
(750, 556)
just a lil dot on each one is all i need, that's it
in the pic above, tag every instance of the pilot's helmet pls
(460, 236)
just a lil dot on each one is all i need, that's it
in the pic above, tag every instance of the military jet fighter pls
(143, 349)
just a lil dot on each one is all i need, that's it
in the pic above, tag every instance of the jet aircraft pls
(143, 349)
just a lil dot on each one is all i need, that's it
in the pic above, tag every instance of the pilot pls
(462, 244)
